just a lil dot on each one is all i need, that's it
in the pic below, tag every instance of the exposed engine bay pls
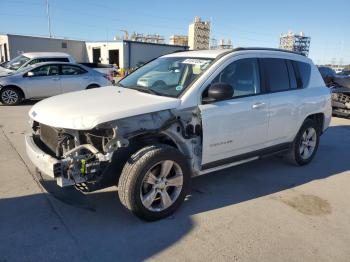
(85, 156)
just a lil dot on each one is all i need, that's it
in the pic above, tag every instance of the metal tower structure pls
(297, 43)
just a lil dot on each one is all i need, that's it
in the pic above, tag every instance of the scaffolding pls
(297, 43)
(222, 44)
(148, 38)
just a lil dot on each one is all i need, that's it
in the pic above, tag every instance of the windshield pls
(166, 76)
(16, 63)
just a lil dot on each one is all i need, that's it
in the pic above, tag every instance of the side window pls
(53, 59)
(59, 59)
(72, 70)
(34, 61)
(242, 75)
(304, 71)
(46, 70)
(277, 74)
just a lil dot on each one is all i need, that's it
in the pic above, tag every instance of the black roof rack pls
(266, 49)
(247, 49)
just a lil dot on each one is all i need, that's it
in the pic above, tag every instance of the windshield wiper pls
(145, 90)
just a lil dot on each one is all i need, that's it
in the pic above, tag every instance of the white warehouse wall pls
(105, 47)
(21, 44)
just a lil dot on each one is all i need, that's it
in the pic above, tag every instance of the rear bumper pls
(44, 162)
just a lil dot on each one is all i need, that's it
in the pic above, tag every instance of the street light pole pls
(48, 17)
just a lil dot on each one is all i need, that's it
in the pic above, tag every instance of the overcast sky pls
(246, 23)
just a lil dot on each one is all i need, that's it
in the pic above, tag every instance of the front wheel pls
(10, 96)
(154, 182)
(305, 144)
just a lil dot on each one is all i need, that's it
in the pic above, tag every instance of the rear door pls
(284, 96)
(44, 81)
(73, 78)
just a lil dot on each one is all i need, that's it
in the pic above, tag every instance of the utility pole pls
(48, 17)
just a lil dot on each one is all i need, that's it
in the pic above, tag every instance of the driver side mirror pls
(219, 91)
(29, 74)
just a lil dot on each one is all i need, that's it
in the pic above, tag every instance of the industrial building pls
(293, 42)
(12, 45)
(148, 38)
(126, 53)
(222, 44)
(178, 40)
(199, 34)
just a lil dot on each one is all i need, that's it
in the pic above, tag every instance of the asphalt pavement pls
(266, 210)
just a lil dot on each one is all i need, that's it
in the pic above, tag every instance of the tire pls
(305, 144)
(10, 96)
(141, 189)
(92, 86)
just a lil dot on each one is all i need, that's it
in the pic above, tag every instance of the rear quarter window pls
(303, 72)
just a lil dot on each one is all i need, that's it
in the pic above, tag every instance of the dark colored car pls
(344, 73)
(340, 86)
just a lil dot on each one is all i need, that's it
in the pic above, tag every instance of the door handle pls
(258, 105)
(55, 78)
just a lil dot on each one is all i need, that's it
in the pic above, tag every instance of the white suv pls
(227, 108)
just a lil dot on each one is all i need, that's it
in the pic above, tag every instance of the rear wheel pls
(305, 144)
(154, 182)
(10, 96)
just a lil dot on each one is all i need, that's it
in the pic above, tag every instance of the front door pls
(238, 125)
(43, 81)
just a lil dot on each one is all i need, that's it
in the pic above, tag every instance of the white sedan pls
(48, 79)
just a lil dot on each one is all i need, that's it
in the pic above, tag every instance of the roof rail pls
(266, 49)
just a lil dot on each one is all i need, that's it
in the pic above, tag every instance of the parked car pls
(228, 107)
(27, 59)
(340, 88)
(48, 79)
(344, 73)
(110, 70)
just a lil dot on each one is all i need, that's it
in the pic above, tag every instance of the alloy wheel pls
(9, 97)
(161, 186)
(308, 143)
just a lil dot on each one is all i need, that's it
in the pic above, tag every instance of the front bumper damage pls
(71, 170)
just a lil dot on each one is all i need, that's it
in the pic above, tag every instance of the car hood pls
(83, 110)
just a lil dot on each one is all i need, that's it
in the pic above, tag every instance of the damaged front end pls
(341, 101)
(80, 155)
(84, 156)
